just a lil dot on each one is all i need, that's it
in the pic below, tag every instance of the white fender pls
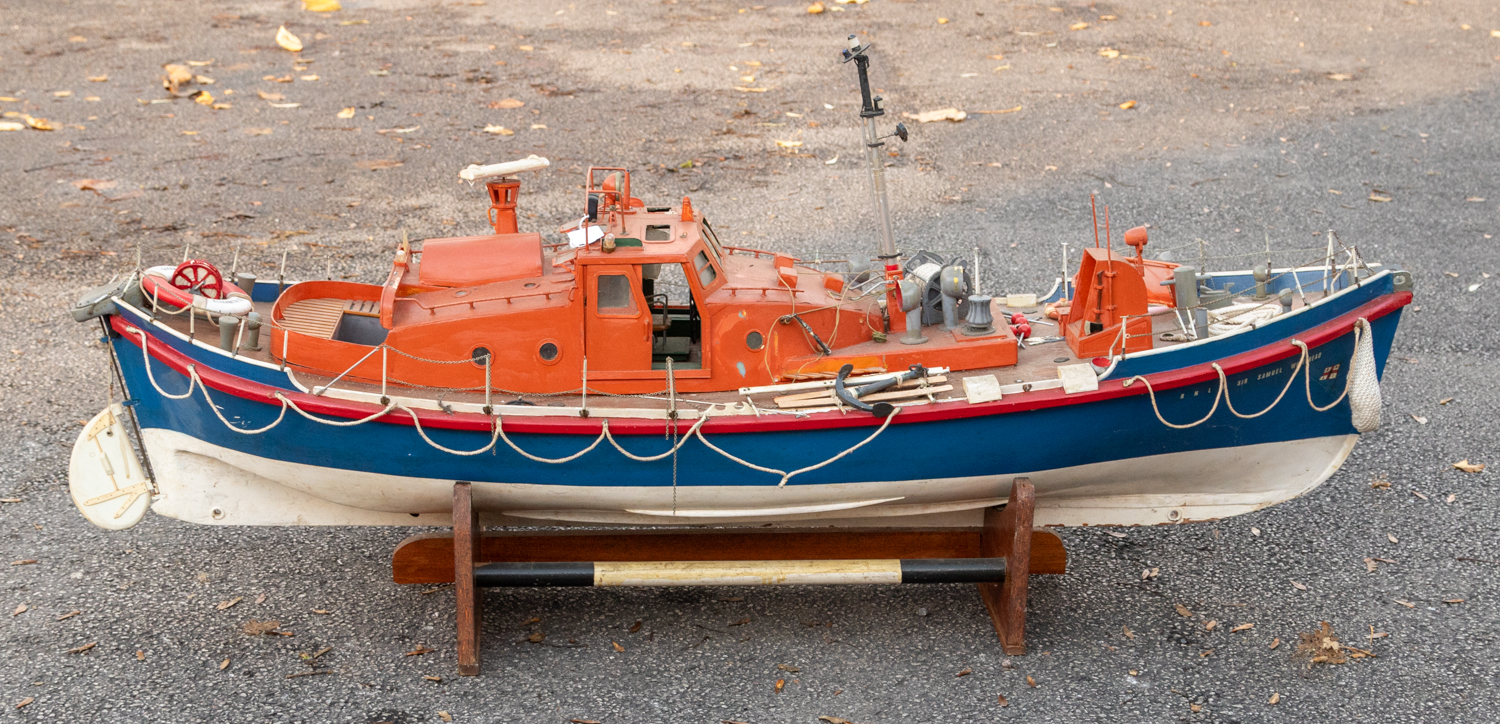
(104, 476)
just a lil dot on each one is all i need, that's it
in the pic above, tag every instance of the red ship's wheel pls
(196, 276)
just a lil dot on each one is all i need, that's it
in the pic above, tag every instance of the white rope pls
(1217, 394)
(146, 358)
(193, 371)
(335, 423)
(494, 435)
(500, 430)
(653, 458)
(1238, 316)
(1289, 380)
(785, 476)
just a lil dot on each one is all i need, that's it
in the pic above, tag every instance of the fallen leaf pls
(321, 6)
(224, 664)
(1001, 700)
(11, 126)
(741, 622)
(789, 144)
(1195, 707)
(347, 112)
(1445, 400)
(965, 672)
(271, 96)
(24, 562)
(226, 604)
(1109, 52)
(95, 184)
(445, 716)
(1274, 643)
(537, 637)
(1275, 697)
(256, 628)
(1006, 110)
(419, 650)
(176, 76)
(635, 627)
(1392, 538)
(1377, 198)
(140, 655)
(1474, 199)
(83, 648)
(942, 21)
(1127, 105)
(1210, 625)
(1407, 604)
(1128, 633)
(780, 684)
(1205, 654)
(1254, 531)
(1150, 573)
(285, 39)
(40, 124)
(1078, 26)
(743, 89)
(1469, 467)
(1451, 497)
(203, 79)
(834, 720)
(1453, 600)
(1030, 681)
(583, 721)
(99, 78)
(25, 701)
(815, 8)
(286, 105)
(1242, 627)
(942, 114)
(1183, 611)
(69, 615)
(322, 612)
(275, 79)
(204, 98)
(1420, 420)
(1299, 586)
(499, 130)
(23, 608)
(618, 647)
(257, 131)
(378, 164)
(1370, 566)
(437, 679)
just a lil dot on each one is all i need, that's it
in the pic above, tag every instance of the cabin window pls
(615, 295)
(706, 272)
(658, 233)
(713, 239)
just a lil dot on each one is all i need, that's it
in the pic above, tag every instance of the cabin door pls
(617, 326)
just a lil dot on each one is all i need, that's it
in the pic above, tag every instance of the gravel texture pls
(1252, 122)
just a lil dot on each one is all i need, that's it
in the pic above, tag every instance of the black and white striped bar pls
(741, 573)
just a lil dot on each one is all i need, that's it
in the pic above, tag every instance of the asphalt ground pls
(1253, 123)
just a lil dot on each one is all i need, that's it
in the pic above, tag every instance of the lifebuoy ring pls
(198, 284)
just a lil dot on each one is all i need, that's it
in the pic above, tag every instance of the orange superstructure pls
(634, 290)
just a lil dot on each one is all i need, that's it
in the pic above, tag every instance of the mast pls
(869, 111)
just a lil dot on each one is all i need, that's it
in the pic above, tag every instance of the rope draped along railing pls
(497, 427)
(1364, 403)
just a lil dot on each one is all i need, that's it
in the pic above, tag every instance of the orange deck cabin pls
(1113, 291)
(538, 310)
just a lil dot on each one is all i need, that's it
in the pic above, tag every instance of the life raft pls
(198, 284)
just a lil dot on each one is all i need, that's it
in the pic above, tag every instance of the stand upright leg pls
(465, 552)
(1007, 534)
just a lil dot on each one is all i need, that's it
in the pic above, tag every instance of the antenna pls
(1107, 235)
(1094, 210)
(870, 110)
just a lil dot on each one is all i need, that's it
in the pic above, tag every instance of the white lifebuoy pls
(207, 293)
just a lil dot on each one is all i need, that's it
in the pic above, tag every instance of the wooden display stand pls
(1001, 556)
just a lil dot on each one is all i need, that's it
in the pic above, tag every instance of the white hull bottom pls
(204, 483)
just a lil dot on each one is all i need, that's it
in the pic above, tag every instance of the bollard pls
(252, 331)
(228, 326)
(246, 281)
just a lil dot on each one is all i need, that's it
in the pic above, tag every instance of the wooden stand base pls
(1006, 534)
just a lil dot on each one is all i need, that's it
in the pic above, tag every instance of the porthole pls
(548, 352)
(755, 341)
(479, 355)
(529, 285)
(461, 293)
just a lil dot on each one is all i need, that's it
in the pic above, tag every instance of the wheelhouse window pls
(616, 296)
(713, 240)
(706, 271)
